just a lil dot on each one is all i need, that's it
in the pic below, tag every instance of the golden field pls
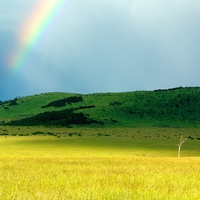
(92, 167)
(99, 178)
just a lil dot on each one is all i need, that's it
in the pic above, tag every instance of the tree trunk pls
(179, 150)
(179, 145)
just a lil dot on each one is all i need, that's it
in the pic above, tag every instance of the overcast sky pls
(102, 46)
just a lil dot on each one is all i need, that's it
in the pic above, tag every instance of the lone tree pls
(182, 140)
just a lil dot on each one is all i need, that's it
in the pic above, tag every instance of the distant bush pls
(115, 103)
(62, 102)
(176, 88)
(13, 102)
(114, 121)
(107, 135)
(190, 137)
(71, 134)
(4, 134)
(37, 133)
(58, 118)
(53, 134)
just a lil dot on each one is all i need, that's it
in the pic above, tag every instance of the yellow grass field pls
(44, 168)
(99, 178)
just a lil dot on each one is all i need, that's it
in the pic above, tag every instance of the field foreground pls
(97, 166)
(99, 178)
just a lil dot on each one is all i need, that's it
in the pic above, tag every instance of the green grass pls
(29, 105)
(179, 107)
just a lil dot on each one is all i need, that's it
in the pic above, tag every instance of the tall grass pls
(99, 178)
(132, 163)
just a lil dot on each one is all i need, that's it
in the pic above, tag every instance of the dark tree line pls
(11, 102)
(62, 102)
(62, 118)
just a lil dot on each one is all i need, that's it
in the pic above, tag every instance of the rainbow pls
(33, 30)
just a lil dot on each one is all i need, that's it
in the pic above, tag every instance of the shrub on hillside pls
(62, 102)
(58, 118)
(13, 102)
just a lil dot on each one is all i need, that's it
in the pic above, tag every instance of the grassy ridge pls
(174, 107)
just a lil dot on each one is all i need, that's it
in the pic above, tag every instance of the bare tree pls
(182, 140)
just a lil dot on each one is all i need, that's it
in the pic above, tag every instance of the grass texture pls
(99, 164)
(99, 178)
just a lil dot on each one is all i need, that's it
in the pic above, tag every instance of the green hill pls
(176, 107)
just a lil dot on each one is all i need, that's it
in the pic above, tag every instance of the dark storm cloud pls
(99, 46)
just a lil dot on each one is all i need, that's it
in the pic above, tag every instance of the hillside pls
(176, 107)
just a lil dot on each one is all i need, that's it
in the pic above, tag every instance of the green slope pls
(177, 107)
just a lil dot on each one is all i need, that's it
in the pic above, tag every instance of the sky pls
(87, 46)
